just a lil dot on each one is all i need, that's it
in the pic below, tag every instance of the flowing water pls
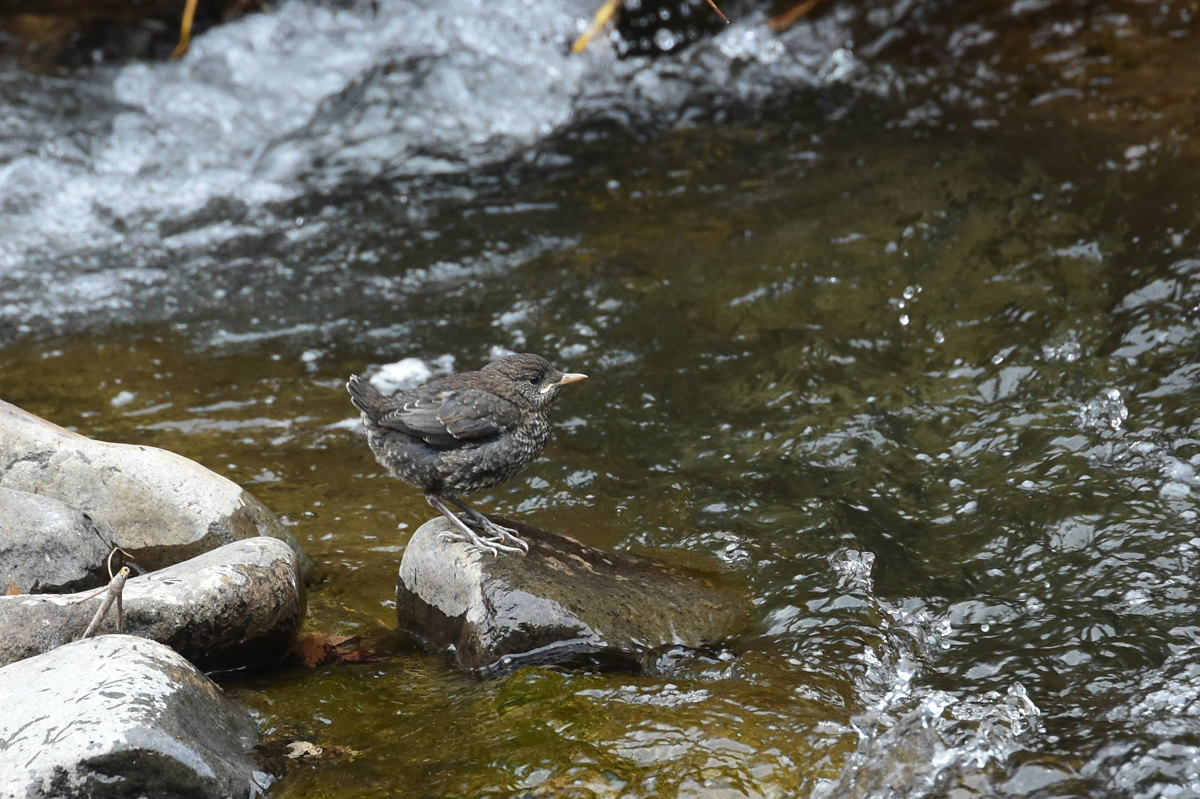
(894, 318)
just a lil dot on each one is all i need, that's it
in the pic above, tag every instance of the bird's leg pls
(466, 533)
(495, 532)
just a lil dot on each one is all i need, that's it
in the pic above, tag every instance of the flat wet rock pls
(239, 605)
(160, 507)
(125, 717)
(564, 602)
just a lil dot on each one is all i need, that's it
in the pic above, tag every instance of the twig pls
(108, 560)
(606, 13)
(185, 29)
(787, 19)
(601, 19)
(720, 14)
(112, 592)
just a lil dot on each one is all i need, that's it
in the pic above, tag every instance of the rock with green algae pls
(564, 602)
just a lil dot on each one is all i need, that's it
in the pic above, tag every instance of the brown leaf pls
(318, 649)
(13, 590)
(359, 656)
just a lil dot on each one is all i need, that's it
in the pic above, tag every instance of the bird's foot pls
(487, 545)
(493, 531)
(496, 538)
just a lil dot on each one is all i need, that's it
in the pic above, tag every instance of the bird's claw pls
(500, 534)
(486, 544)
(494, 532)
(496, 538)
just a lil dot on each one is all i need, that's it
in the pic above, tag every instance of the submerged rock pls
(119, 716)
(159, 506)
(48, 546)
(564, 602)
(239, 605)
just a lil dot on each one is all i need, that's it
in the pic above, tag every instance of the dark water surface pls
(906, 339)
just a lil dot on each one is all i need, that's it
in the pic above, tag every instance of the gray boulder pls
(118, 716)
(160, 507)
(563, 602)
(238, 605)
(48, 546)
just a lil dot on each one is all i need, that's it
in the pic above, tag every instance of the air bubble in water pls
(665, 39)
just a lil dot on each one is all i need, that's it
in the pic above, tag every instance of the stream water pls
(894, 317)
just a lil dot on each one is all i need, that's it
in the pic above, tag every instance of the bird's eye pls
(533, 381)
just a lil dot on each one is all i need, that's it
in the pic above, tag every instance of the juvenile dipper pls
(464, 433)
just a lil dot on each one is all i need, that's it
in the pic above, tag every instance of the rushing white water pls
(120, 178)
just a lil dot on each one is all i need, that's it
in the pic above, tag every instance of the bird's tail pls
(364, 395)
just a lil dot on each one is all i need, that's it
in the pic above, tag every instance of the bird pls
(465, 433)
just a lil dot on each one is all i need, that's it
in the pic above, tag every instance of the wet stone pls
(239, 605)
(564, 603)
(46, 546)
(160, 507)
(127, 717)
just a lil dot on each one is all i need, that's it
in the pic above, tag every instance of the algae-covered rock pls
(563, 602)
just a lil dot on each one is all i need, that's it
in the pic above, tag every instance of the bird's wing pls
(418, 416)
(473, 413)
(449, 418)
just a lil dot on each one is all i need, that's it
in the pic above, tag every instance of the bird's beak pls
(569, 377)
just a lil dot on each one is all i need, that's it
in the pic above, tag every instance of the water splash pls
(934, 745)
(1104, 411)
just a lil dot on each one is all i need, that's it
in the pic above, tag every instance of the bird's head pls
(532, 377)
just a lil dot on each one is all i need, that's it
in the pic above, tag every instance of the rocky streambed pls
(131, 710)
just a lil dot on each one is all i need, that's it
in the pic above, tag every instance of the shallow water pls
(896, 319)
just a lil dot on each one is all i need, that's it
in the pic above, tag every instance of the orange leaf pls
(317, 649)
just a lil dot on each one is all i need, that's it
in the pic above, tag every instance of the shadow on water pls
(911, 352)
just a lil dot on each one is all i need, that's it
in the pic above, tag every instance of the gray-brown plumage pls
(463, 433)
